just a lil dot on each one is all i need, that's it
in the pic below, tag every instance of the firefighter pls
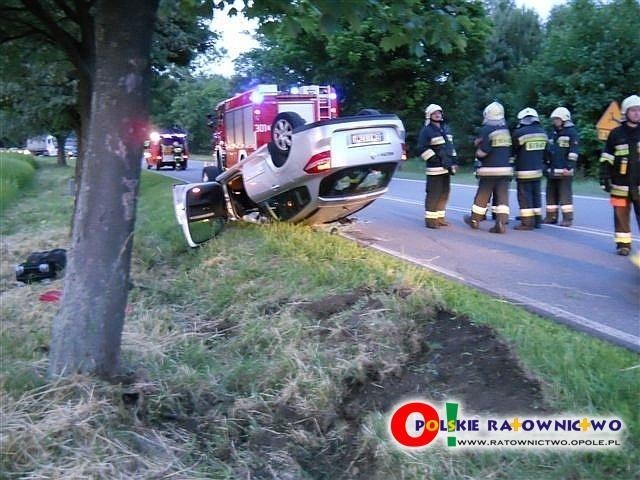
(495, 170)
(562, 157)
(435, 144)
(620, 172)
(529, 145)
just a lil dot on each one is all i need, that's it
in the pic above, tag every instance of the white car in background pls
(315, 173)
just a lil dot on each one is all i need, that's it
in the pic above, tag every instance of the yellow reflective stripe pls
(560, 171)
(527, 174)
(622, 237)
(573, 156)
(564, 141)
(502, 209)
(621, 150)
(619, 190)
(495, 171)
(430, 215)
(533, 137)
(552, 208)
(450, 137)
(479, 210)
(427, 154)
(436, 171)
(440, 213)
(566, 208)
(500, 138)
(537, 211)
(437, 141)
(527, 212)
(606, 158)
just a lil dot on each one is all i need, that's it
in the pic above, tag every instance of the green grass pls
(414, 169)
(16, 173)
(233, 374)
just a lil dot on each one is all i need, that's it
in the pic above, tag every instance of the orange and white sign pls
(609, 120)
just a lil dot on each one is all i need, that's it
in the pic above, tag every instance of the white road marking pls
(587, 197)
(544, 309)
(579, 229)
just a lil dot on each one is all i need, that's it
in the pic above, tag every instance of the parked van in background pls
(43, 145)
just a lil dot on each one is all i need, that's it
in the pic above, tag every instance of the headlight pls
(43, 268)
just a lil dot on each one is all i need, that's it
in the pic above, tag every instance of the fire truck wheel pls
(209, 174)
(282, 130)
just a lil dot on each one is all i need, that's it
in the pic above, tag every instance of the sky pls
(237, 32)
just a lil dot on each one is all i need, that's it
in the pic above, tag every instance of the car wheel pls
(209, 174)
(282, 130)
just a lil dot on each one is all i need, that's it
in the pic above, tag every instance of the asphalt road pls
(568, 274)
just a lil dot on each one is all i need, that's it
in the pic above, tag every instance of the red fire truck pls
(264, 114)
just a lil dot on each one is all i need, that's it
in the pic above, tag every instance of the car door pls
(200, 209)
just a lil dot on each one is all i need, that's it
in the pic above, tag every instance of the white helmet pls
(493, 111)
(627, 103)
(432, 109)
(561, 113)
(527, 112)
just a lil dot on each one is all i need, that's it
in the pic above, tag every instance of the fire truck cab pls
(264, 115)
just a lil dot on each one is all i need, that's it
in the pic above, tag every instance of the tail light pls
(404, 152)
(320, 162)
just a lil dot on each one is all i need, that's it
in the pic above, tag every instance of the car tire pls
(209, 174)
(282, 131)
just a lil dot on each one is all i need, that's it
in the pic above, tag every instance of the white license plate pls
(372, 137)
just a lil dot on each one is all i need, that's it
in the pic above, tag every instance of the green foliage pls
(187, 103)
(16, 173)
(590, 57)
(393, 60)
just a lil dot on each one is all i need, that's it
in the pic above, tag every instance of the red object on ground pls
(51, 296)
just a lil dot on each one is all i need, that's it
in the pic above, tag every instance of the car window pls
(357, 180)
(288, 204)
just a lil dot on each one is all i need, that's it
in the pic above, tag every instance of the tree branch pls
(66, 41)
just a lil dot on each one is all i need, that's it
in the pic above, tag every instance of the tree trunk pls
(62, 154)
(87, 331)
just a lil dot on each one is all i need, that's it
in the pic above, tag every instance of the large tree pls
(109, 44)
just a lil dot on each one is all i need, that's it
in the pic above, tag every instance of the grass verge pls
(16, 173)
(274, 352)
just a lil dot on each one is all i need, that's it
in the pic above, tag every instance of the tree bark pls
(62, 154)
(87, 331)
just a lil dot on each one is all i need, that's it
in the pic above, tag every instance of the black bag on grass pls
(42, 265)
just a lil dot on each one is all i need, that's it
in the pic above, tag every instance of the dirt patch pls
(460, 360)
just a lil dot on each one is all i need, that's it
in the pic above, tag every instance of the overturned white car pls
(315, 173)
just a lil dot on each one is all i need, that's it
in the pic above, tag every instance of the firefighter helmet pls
(432, 109)
(493, 111)
(561, 113)
(627, 103)
(527, 112)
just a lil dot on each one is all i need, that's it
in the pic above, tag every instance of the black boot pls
(431, 223)
(538, 221)
(443, 222)
(473, 220)
(551, 218)
(567, 219)
(526, 223)
(501, 221)
(623, 249)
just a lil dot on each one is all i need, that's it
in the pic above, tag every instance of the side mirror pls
(200, 209)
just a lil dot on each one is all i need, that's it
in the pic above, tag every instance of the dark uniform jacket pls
(435, 146)
(620, 162)
(529, 145)
(563, 150)
(495, 141)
